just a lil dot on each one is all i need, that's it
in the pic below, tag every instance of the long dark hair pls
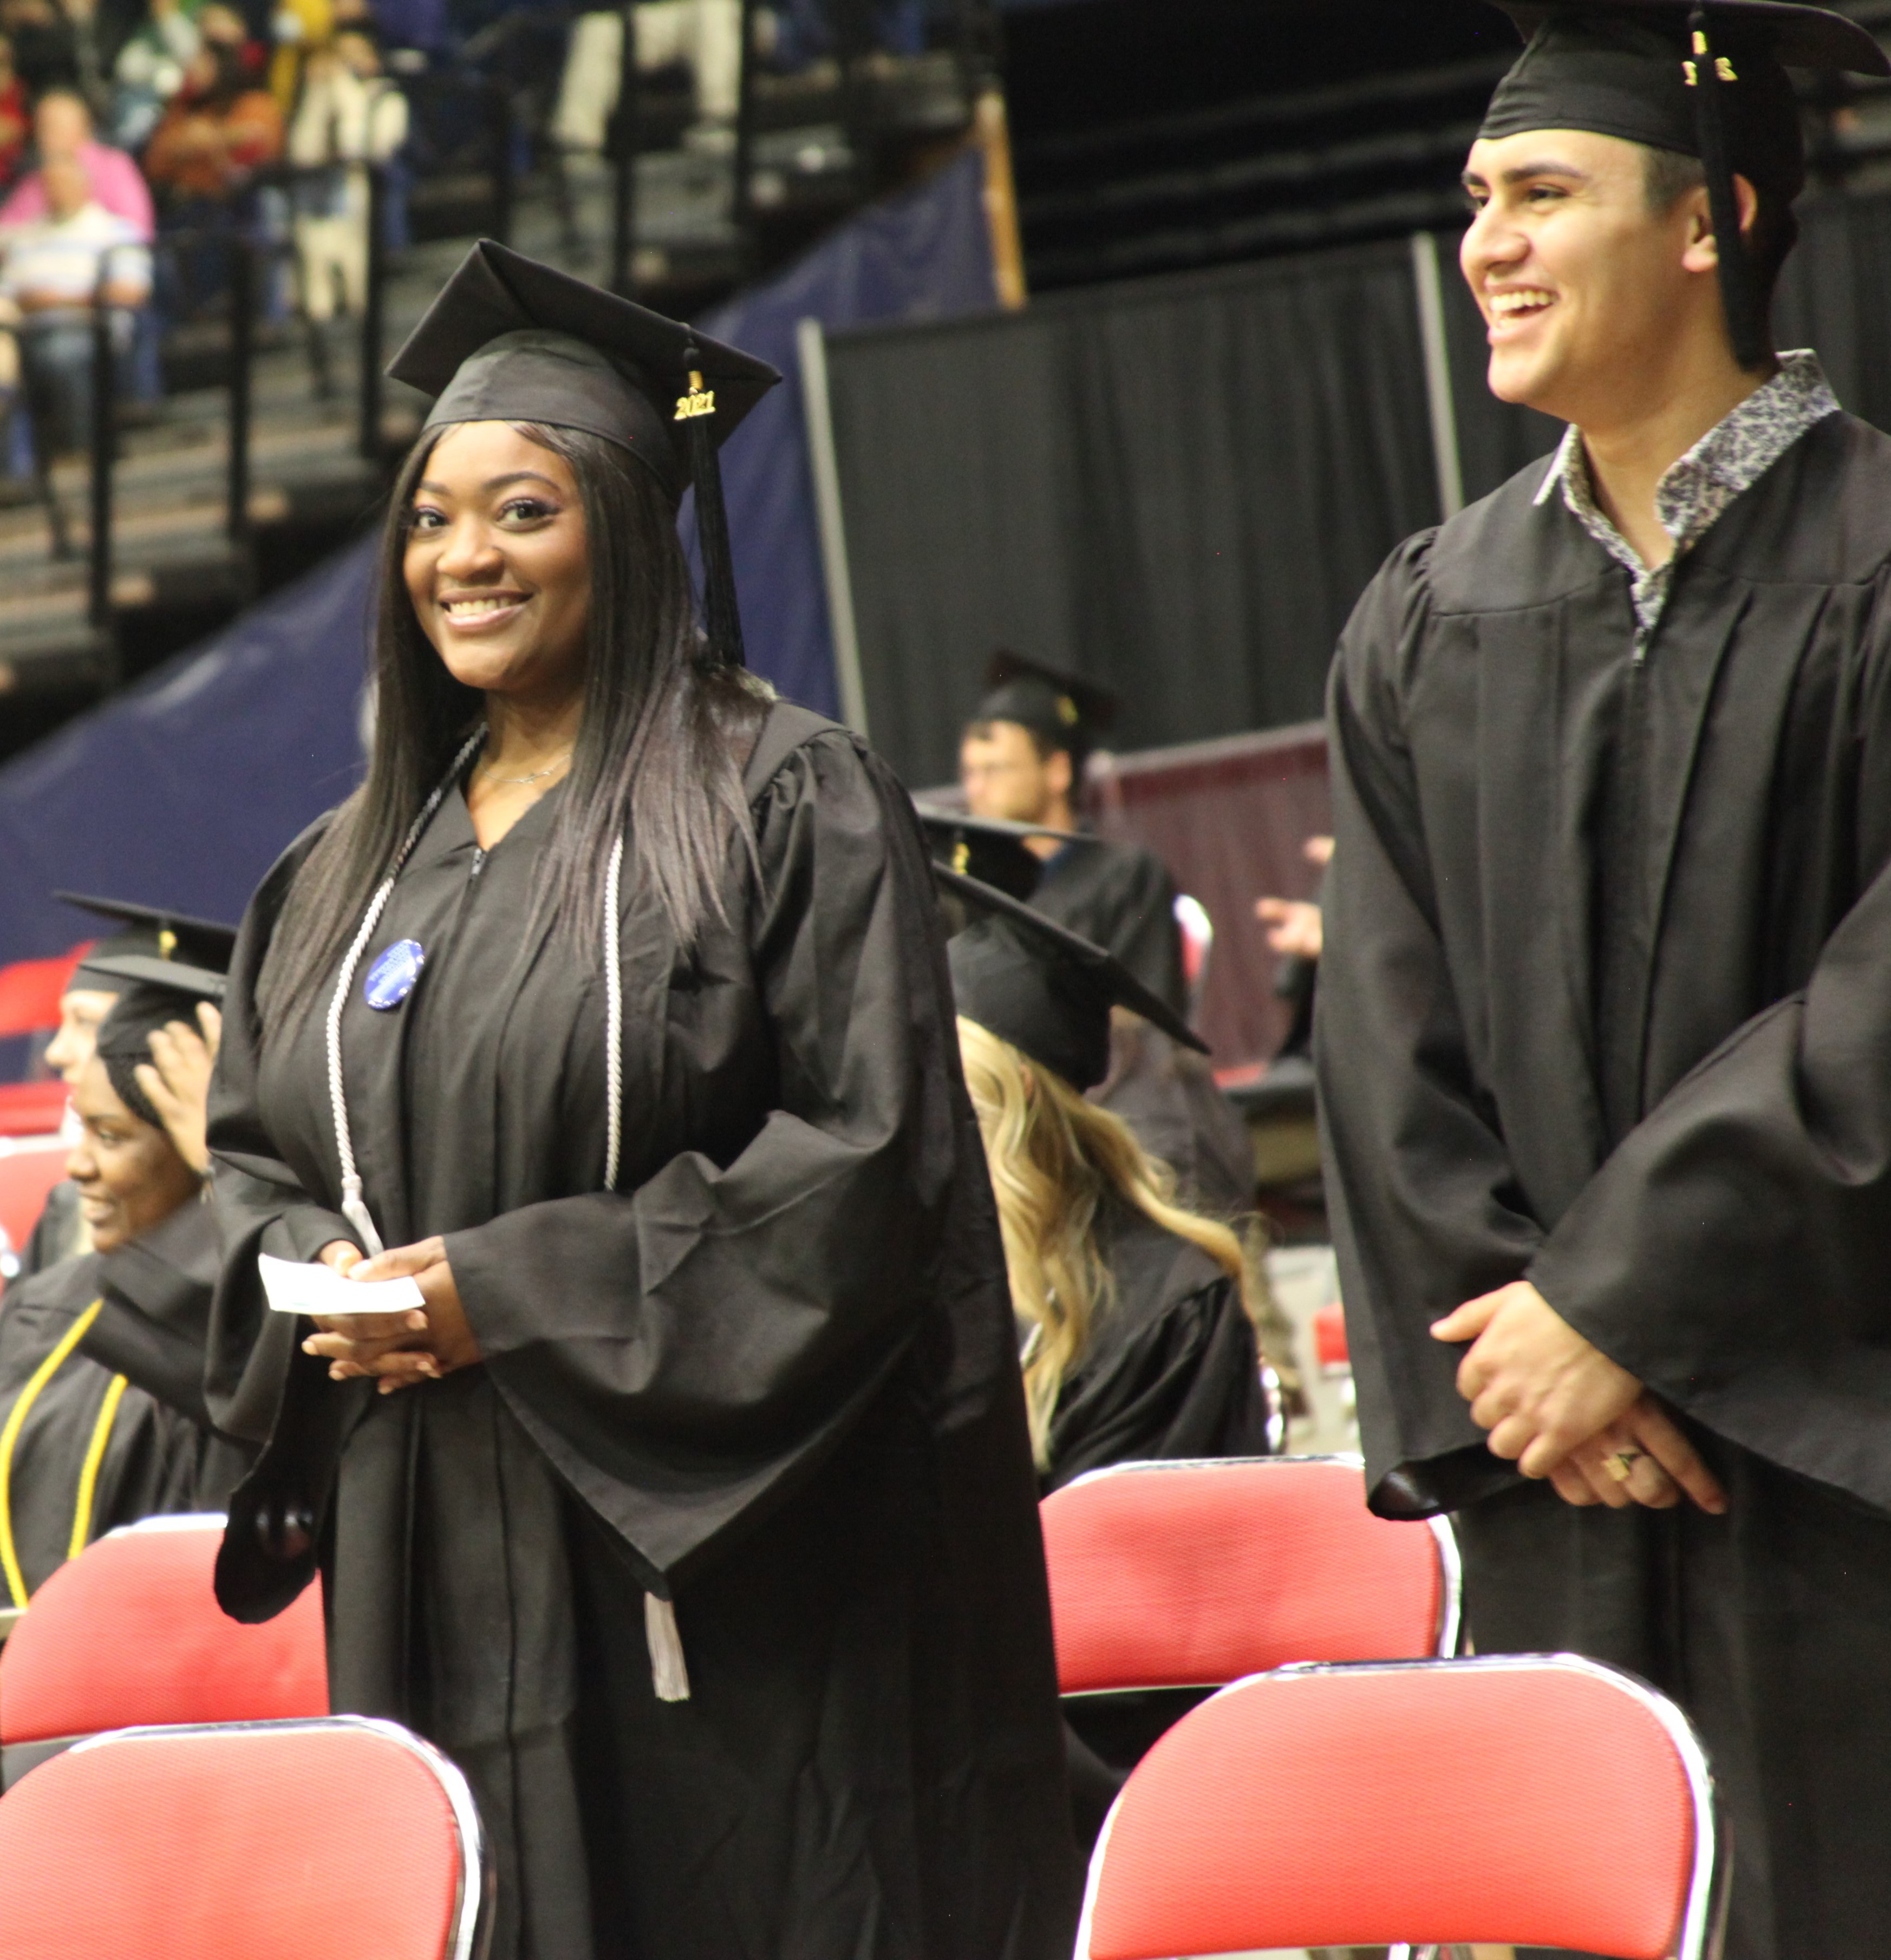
(657, 761)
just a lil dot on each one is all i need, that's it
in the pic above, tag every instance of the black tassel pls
(722, 619)
(1740, 291)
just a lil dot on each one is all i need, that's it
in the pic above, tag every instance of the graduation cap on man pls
(1704, 80)
(1043, 989)
(1063, 710)
(509, 339)
(153, 943)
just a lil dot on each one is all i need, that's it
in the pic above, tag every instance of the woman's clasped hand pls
(397, 1349)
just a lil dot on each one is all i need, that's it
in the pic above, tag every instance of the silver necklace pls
(537, 775)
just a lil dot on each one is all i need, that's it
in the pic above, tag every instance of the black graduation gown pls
(58, 1233)
(157, 1458)
(1168, 1094)
(1698, 1180)
(1172, 1371)
(772, 1376)
(1122, 898)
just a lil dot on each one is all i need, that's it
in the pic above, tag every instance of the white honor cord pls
(354, 1205)
(669, 1675)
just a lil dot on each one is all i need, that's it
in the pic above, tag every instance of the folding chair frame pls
(470, 1935)
(1703, 1919)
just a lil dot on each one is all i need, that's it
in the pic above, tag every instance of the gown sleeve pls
(1426, 1209)
(154, 1311)
(686, 1353)
(1187, 1383)
(1732, 1251)
(260, 1202)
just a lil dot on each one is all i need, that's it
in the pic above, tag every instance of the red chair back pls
(29, 1167)
(32, 1110)
(29, 991)
(299, 1840)
(1193, 1574)
(130, 1633)
(1359, 1806)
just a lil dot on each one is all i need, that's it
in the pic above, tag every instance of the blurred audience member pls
(150, 70)
(1296, 932)
(55, 272)
(350, 116)
(704, 35)
(62, 132)
(45, 44)
(220, 129)
(300, 30)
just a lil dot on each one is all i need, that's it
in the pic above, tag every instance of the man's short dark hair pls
(981, 731)
(1669, 176)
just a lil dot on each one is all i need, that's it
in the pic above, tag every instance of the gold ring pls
(1620, 1464)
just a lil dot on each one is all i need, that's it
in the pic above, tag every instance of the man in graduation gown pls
(1605, 1030)
(1022, 759)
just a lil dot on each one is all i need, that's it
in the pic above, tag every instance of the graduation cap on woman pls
(991, 849)
(150, 941)
(1706, 79)
(509, 339)
(153, 992)
(1042, 987)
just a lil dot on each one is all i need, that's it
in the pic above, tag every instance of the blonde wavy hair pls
(1053, 1158)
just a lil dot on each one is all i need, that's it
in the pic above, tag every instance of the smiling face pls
(129, 1175)
(497, 563)
(1588, 293)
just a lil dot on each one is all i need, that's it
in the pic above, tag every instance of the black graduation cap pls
(152, 934)
(1704, 80)
(156, 993)
(990, 848)
(1042, 988)
(509, 339)
(1063, 710)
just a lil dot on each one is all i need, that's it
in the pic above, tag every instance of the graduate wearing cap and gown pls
(1604, 1035)
(1163, 1363)
(698, 1525)
(149, 932)
(1118, 896)
(102, 1354)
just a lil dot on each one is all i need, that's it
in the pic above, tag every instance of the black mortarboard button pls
(156, 933)
(1063, 710)
(1706, 81)
(509, 339)
(1042, 988)
(989, 848)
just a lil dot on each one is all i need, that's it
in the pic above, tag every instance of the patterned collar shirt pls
(1728, 460)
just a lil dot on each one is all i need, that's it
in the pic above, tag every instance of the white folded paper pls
(294, 1287)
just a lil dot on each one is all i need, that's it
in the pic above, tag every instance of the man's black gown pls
(159, 1455)
(1122, 898)
(773, 1376)
(1516, 816)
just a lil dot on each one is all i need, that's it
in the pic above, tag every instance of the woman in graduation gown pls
(693, 1515)
(1137, 1314)
(102, 1354)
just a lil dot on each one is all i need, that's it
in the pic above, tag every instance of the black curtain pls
(1178, 487)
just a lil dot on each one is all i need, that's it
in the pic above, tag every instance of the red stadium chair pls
(344, 1839)
(29, 1167)
(32, 1110)
(129, 1633)
(1358, 1806)
(1329, 1340)
(1197, 930)
(29, 991)
(1193, 1574)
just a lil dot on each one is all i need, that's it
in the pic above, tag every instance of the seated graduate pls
(1138, 1315)
(693, 1514)
(181, 1054)
(102, 1355)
